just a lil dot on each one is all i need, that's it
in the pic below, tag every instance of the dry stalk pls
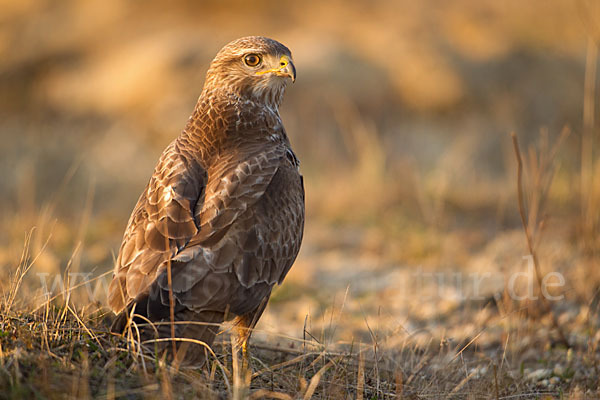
(24, 266)
(542, 173)
(281, 365)
(462, 383)
(587, 142)
(399, 384)
(360, 384)
(171, 300)
(241, 375)
(466, 346)
(314, 382)
(171, 308)
(269, 394)
(588, 190)
(167, 388)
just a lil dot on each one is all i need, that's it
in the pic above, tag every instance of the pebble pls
(558, 370)
(538, 374)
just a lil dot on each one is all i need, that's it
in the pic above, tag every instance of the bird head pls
(255, 68)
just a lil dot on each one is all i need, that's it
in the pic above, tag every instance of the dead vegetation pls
(62, 349)
(57, 353)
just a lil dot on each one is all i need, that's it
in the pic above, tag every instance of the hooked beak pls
(285, 68)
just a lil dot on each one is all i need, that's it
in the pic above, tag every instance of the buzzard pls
(221, 219)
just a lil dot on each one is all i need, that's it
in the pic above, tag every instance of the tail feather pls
(201, 328)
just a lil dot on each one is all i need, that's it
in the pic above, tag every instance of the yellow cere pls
(283, 62)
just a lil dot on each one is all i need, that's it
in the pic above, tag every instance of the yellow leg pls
(243, 330)
(245, 358)
(243, 344)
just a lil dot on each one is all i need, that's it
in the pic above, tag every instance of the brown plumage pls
(224, 207)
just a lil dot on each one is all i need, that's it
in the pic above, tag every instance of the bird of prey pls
(221, 219)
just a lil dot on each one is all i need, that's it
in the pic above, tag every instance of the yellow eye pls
(252, 60)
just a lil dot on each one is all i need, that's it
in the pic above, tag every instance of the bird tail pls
(200, 332)
(195, 332)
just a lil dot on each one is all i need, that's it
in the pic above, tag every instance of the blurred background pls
(400, 115)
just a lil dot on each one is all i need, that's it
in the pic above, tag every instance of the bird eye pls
(252, 60)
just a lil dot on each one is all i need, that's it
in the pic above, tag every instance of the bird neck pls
(223, 118)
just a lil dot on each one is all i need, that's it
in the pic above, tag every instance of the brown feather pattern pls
(225, 206)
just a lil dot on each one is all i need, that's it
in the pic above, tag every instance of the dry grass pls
(62, 350)
(57, 353)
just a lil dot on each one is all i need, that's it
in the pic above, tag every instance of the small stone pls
(478, 372)
(538, 375)
(555, 380)
(558, 370)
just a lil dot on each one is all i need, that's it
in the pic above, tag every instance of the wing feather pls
(162, 222)
(219, 238)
